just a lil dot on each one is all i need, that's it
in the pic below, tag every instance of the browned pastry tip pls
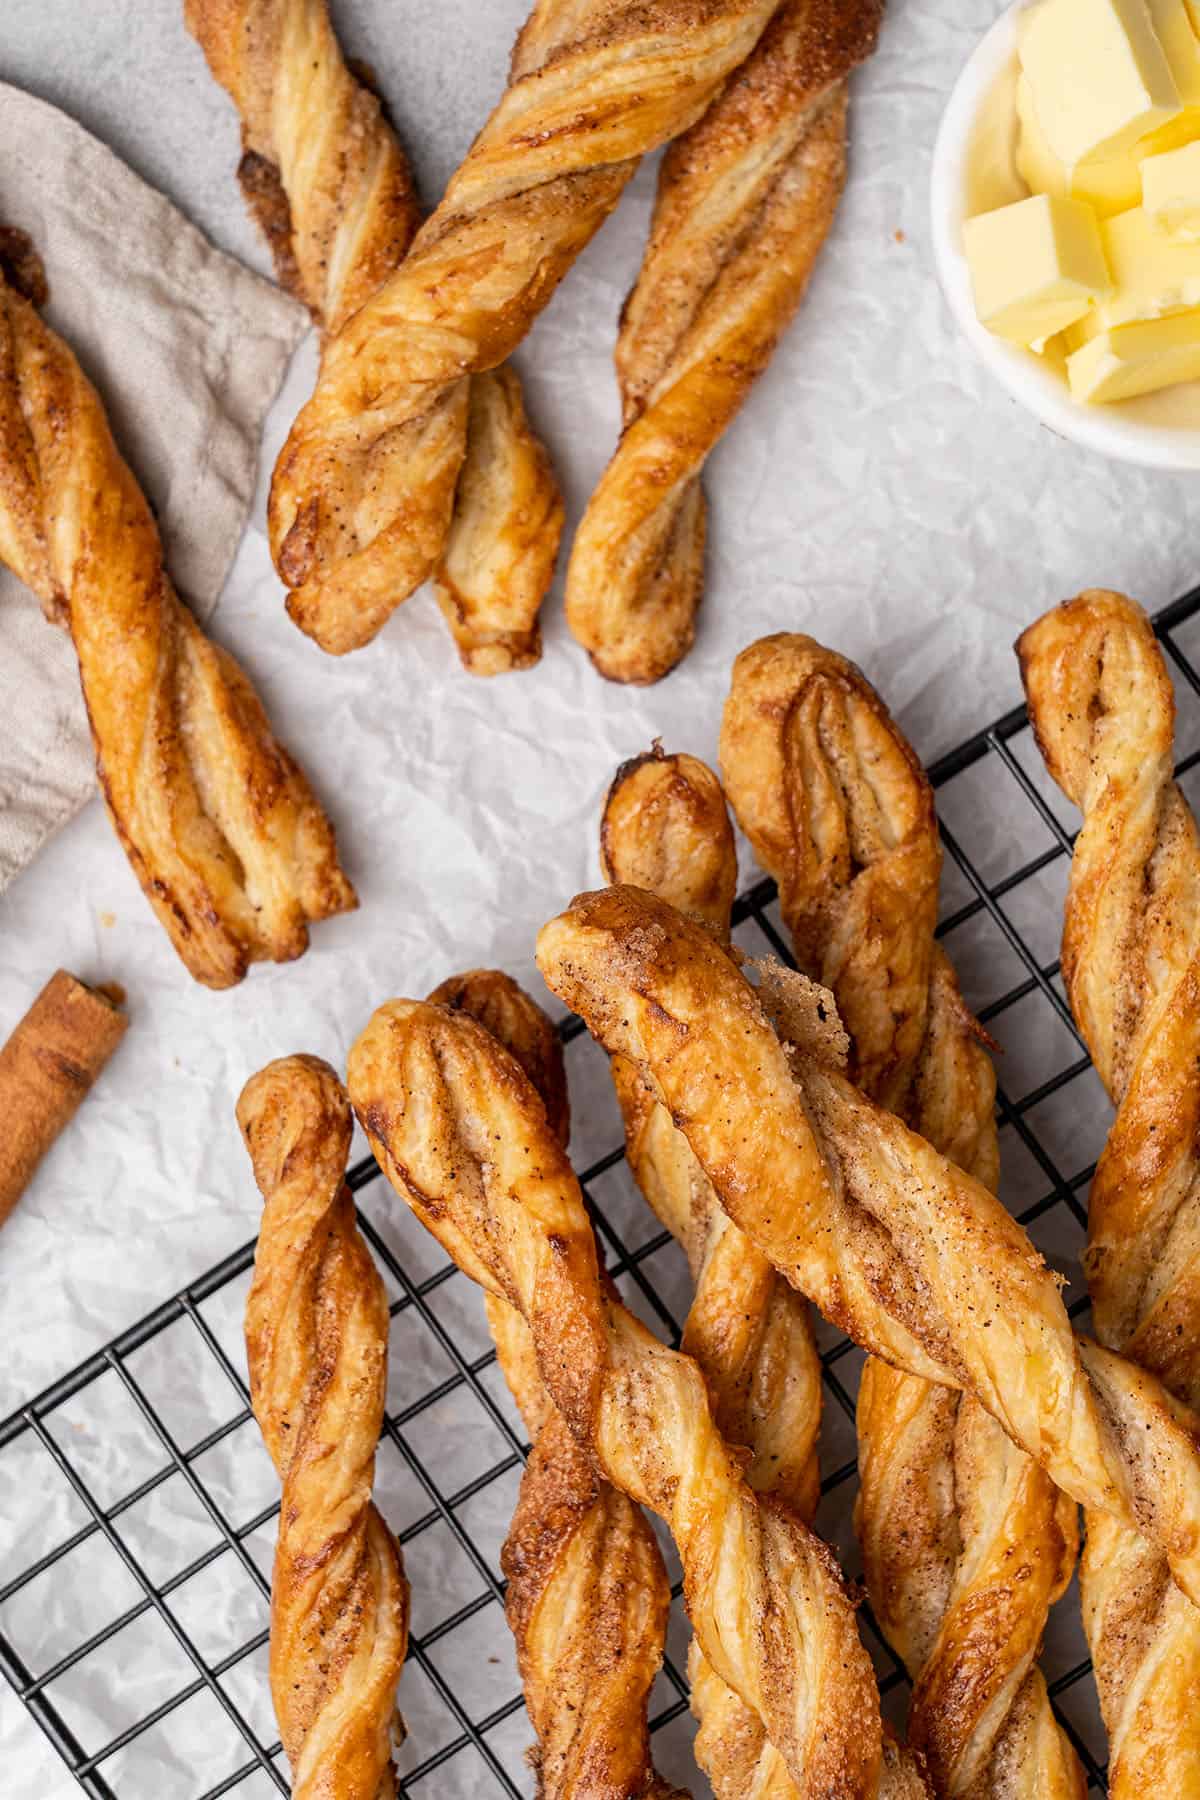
(502, 546)
(502, 1007)
(325, 177)
(219, 823)
(363, 487)
(1103, 711)
(745, 201)
(914, 1259)
(464, 1140)
(316, 1342)
(47, 1067)
(665, 827)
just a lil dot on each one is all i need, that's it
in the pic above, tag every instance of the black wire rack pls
(140, 1474)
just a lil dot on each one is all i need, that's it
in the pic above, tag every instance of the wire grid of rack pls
(147, 1455)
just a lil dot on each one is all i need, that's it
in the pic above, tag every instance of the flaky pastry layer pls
(1102, 709)
(326, 178)
(316, 1342)
(966, 1542)
(219, 823)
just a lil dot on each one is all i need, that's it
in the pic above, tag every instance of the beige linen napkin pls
(187, 349)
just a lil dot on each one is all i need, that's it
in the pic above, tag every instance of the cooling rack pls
(140, 1474)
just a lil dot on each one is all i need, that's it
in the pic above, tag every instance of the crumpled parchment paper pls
(878, 491)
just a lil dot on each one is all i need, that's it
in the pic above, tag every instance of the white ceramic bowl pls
(1128, 432)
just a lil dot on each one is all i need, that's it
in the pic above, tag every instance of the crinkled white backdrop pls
(877, 491)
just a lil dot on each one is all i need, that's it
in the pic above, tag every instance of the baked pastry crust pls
(908, 1255)
(325, 176)
(365, 480)
(665, 828)
(745, 202)
(316, 1340)
(966, 1542)
(223, 832)
(588, 1596)
(463, 1138)
(1102, 708)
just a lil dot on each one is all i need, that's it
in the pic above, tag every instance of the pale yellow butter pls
(1137, 359)
(1109, 187)
(1173, 28)
(1036, 267)
(1098, 75)
(1171, 193)
(1152, 275)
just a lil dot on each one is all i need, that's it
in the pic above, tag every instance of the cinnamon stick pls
(46, 1068)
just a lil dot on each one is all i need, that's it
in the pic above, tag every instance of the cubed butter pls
(1184, 128)
(1175, 33)
(1137, 359)
(1036, 267)
(1152, 275)
(1098, 74)
(1107, 187)
(1171, 193)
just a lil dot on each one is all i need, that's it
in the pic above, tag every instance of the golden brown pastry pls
(316, 1340)
(462, 1136)
(588, 1596)
(665, 828)
(1101, 705)
(966, 1542)
(325, 177)
(745, 201)
(915, 1260)
(221, 827)
(363, 487)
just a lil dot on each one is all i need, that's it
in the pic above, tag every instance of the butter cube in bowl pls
(1066, 182)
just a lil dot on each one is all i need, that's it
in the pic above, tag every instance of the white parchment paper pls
(877, 491)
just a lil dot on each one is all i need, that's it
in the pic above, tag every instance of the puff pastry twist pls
(222, 829)
(363, 487)
(325, 177)
(463, 1138)
(915, 1260)
(665, 828)
(966, 1542)
(1101, 705)
(588, 1596)
(316, 1340)
(745, 201)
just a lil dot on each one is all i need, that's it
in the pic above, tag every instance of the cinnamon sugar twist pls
(222, 830)
(588, 1596)
(463, 1138)
(912, 1258)
(746, 199)
(324, 175)
(363, 487)
(665, 828)
(316, 1340)
(1101, 706)
(966, 1542)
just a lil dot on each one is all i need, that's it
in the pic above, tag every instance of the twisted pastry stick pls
(665, 828)
(746, 199)
(325, 177)
(222, 829)
(588, 1596)
(463, 1138)
(316, 1339)
(912, 1258)
(362, 488)
(1101, 705)
(966, 1542)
